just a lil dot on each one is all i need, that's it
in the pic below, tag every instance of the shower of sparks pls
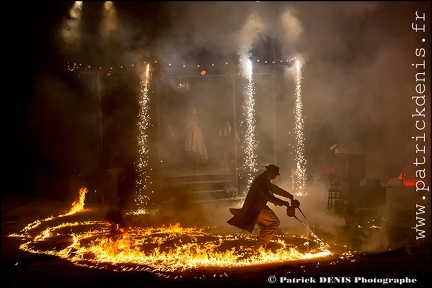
(300, 171)
(142, 197)
(249, 115)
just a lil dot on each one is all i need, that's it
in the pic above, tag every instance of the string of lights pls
(171, 67)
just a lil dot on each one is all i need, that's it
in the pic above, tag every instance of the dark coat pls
(260, 192)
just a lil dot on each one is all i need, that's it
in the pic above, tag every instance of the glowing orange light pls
(203, 72)
(79, 205)
(165, 250)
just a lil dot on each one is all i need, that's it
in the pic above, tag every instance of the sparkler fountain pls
(299, 181)
(142, 197)
(249, 112)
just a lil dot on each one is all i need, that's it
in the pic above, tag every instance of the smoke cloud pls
(357, 80)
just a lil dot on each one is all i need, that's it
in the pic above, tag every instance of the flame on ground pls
(166, 249)
(78, 205)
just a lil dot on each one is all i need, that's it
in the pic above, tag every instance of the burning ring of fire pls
(163, 249)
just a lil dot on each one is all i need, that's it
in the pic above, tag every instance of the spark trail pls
(142, 197)
(249, 113)
(300, 171)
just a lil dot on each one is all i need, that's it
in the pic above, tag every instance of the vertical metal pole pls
(98, 87)
(274, 118)
(158, 142)
(159, 136)
(235, 131)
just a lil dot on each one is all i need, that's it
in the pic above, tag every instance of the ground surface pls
(409, 262)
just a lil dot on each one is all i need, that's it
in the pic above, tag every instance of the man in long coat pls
(255, 209)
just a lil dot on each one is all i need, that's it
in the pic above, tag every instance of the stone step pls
(209, 187)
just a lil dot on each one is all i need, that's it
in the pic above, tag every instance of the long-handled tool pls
(290, 210)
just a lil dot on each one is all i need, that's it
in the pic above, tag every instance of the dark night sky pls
(357, 74)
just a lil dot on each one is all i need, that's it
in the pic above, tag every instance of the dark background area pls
(357, 82)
